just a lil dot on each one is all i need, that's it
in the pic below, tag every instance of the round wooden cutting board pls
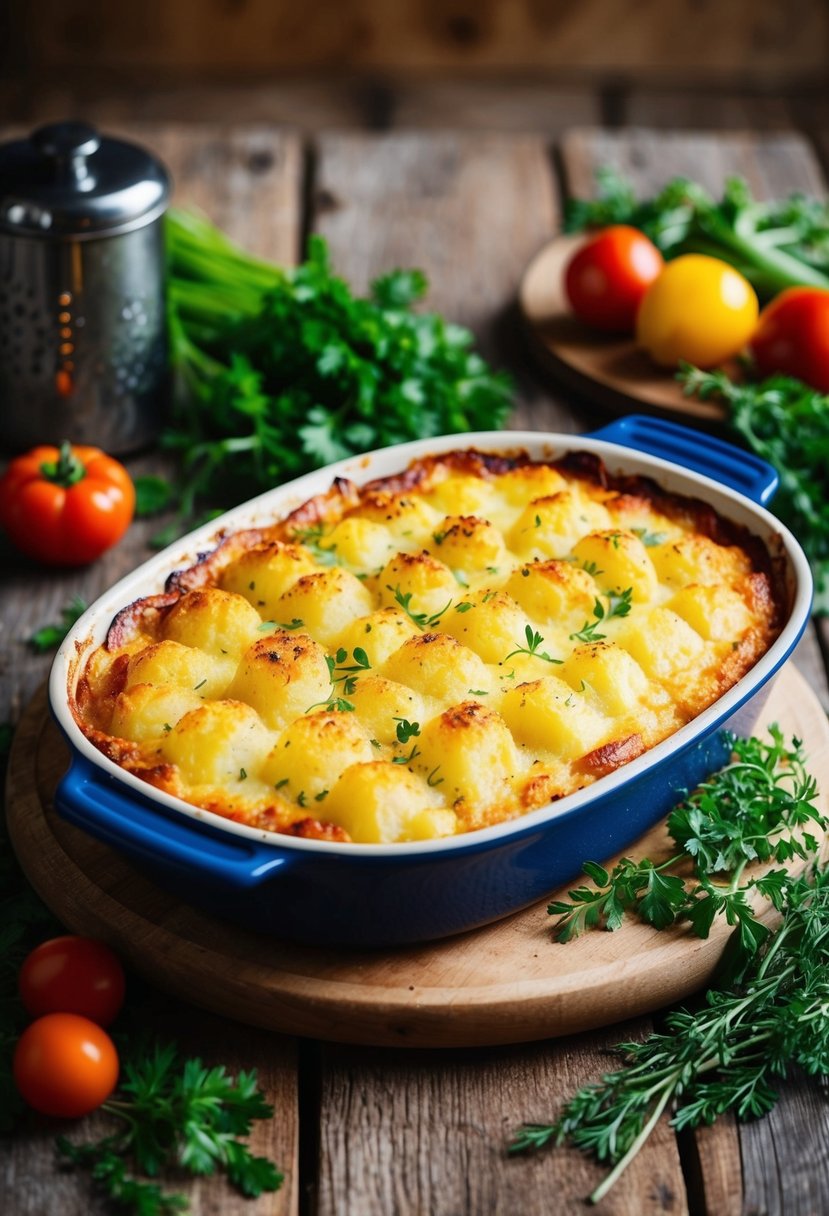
(509, 982)
(609, 369)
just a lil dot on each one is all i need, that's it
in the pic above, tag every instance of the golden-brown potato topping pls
(433, 653)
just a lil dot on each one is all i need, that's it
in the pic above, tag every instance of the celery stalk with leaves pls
(283, 370)
(778, 244)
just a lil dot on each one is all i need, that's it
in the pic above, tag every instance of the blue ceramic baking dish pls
(381, 895)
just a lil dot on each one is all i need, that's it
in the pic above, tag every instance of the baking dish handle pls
(134, 826)
(734, 467)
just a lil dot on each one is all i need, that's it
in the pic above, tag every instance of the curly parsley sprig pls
(757, 808)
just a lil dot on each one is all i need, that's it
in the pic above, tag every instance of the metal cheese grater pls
(83, 351)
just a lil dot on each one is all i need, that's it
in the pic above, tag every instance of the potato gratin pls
(434, 652)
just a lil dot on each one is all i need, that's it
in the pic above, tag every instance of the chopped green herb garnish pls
(406, 730)
(422, 619)
(618, 605)
(534, 640)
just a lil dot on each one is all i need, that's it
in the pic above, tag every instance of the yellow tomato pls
(699, 309)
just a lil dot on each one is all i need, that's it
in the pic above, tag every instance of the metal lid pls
(68, 180)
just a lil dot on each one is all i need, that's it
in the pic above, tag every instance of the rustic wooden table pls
(361, 1132)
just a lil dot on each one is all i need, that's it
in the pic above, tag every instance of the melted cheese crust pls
(433, 653)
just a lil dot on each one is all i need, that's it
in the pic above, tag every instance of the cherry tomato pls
(65, 1065)
(72, 975)
(606, 278)
(699, 309)
(792, 336)
(65, 506)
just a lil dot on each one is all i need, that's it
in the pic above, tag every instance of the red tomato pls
(792, 336)
(66, 505)
(65, 1065)
(606, 278)
(73, 975)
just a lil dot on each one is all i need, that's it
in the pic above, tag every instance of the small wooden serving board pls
(611, 370)
(509, 982)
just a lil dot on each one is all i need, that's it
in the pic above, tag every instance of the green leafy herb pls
(49, 636)
(618, 605)
(281, 370)
(152, 495)
(433, 779)
(407, 759)
(406, 730)
(534, 640)
(769, 1017)
(787, 423)
(176, 1114)
(757, 808)
(311, 538)
(295, 623)
(774, 244)
(650, 539)
(730, 1055)
(423, 620)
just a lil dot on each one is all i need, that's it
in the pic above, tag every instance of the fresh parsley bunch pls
(760, 807)
(285, 370)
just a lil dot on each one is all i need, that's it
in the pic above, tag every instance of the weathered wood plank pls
(470, 210)
(428, 1132)
(250, 182)
(783, 1154)
(773, 164)
(719, 109)
(32, 1184)
(500, 104)
(310, 102)
(785, 1162)
(759, 39)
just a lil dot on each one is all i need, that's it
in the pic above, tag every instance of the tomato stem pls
(67, 470)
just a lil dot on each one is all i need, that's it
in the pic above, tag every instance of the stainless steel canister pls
(83, 351)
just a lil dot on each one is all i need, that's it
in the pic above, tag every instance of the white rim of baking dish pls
(89, 631)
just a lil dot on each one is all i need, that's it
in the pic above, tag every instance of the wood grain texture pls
(773, 164)
(514, 103)
(309, 102)
(702, 39)
(467, 209)
(783, 1173)
(250, 181)
(429, 1134)
(51, 1191)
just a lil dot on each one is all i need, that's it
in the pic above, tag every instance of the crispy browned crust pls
(143, 615)
(610, 756)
